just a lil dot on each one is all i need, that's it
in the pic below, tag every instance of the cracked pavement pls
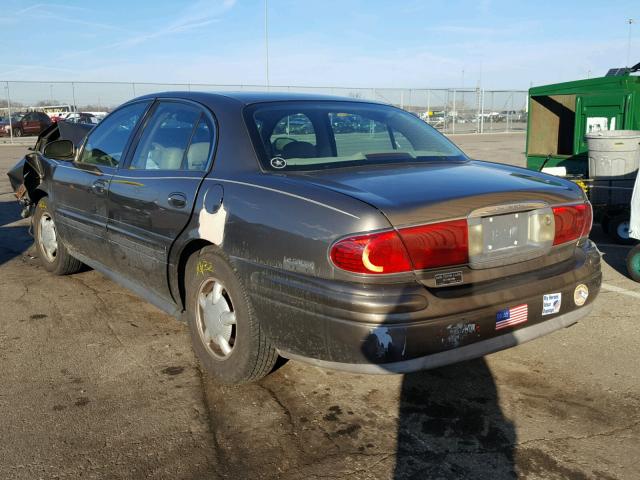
(96, 383)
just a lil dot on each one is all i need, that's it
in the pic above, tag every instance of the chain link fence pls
(450, 110)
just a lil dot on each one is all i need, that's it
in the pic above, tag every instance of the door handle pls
(99, 187)
(177, 200)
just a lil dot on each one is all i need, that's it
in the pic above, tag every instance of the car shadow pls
(450, 425)
(14, 239)
(613, 254)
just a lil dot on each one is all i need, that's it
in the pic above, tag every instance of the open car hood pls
(76, 132)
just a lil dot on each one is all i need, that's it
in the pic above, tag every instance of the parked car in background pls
(81, 117)
(512, 116)
(5, 125)
(381, 248)
(23, 124)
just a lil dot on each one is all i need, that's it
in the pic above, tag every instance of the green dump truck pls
(560, 115)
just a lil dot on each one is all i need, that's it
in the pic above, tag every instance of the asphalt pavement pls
(96, 383)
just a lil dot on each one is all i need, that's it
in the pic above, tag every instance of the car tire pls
(52, 253)
(633, 263)
(604, 224)
(17, 132)
(619, 229)
(225, 332)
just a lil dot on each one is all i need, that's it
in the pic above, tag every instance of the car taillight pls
(572, 222)
(437, 244)
(378, 253)
(421, 247)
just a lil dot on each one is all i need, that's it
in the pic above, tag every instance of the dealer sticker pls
(551, 303)
(448, 278)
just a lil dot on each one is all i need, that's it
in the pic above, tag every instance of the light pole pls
(631, 21)
(266, 40)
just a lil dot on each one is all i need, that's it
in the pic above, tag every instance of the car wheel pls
(619, 229)
(52, 253)
(633, 263)
(225, 332)
(17, 132)
(604, 224)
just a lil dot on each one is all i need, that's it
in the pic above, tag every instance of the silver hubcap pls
(48, 237)
(216, 318)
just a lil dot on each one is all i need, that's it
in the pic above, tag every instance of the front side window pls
(312, 135)
(106, 143)
(175, 138)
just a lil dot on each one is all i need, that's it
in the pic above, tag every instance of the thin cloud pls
(196, 15)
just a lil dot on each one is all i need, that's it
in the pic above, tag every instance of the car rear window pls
(311, 135)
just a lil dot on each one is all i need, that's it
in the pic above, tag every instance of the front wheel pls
(633, 263)
(53, 255)
(225, 332)
(17, 132)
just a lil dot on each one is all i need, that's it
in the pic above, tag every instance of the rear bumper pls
(460, 354)
(395, 328)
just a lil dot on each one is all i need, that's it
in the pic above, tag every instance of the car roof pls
(247, 98)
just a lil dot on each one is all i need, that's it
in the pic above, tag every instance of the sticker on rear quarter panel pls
(551, 303)
(510, 317)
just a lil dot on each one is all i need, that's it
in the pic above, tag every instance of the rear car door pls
(151, 199)
(80, 189)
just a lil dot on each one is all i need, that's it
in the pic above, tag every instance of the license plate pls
(496, 240)
(504, 232)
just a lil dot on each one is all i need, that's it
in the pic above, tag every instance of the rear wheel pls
(53, 255)
(225, 332)
(633, 263)
(619, 229)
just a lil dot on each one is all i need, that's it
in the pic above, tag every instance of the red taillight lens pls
(438, 244)
(425, 246)
(572, 222)
(377, 253)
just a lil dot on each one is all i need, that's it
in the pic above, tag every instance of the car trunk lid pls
(504, 207)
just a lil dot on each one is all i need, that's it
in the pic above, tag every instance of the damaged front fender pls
(25, 179)
(27, 176)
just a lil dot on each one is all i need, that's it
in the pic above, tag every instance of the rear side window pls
(200, 147)
(176, 137)
(106, 143)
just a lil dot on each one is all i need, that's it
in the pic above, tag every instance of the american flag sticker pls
(510, 317)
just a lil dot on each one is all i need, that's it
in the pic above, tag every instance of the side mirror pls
(60, 150)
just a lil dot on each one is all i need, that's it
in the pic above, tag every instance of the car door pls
(28, 124)
(80, 189)
(151, 199)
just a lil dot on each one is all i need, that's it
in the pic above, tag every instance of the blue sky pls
(503, 44)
